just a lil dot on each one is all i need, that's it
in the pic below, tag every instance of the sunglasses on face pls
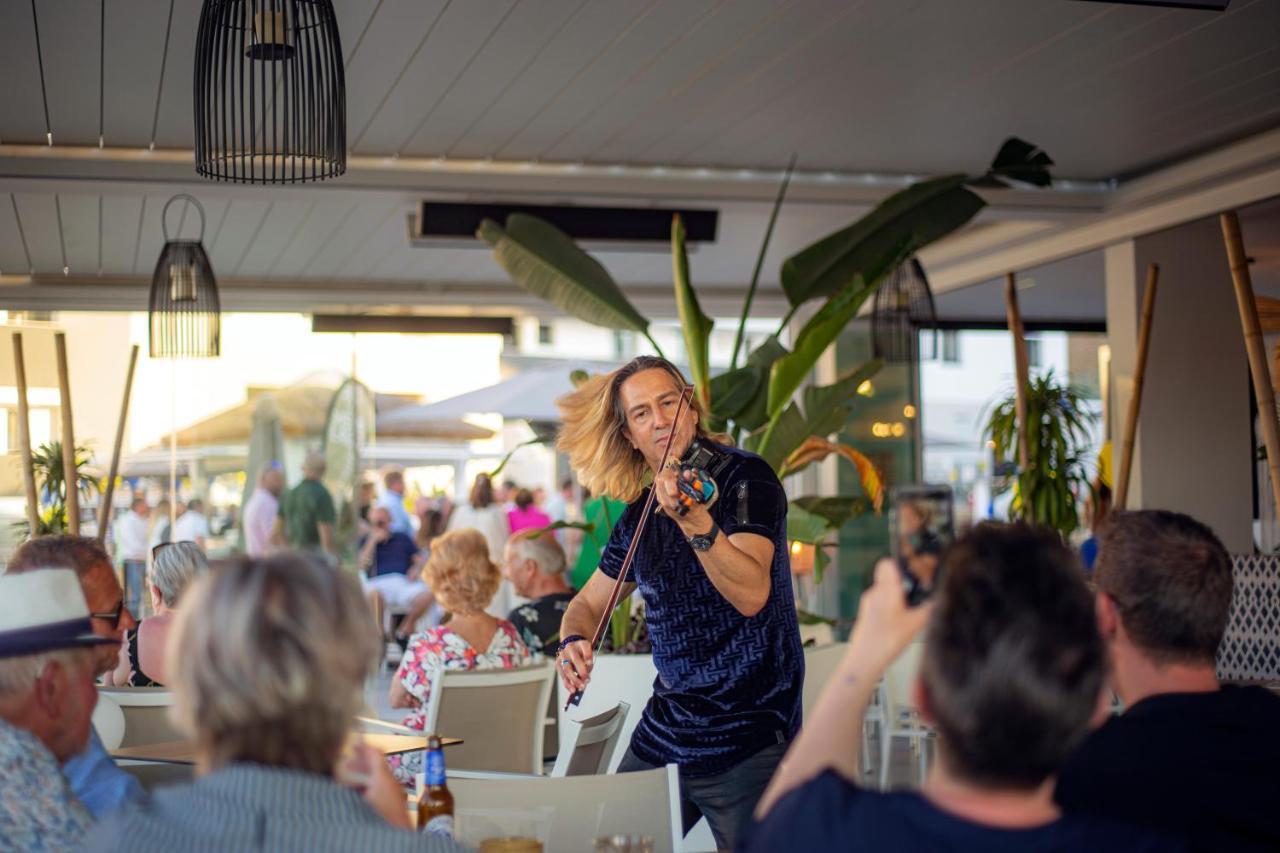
(112, 616)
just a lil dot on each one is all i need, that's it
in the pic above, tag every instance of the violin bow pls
(616, 593)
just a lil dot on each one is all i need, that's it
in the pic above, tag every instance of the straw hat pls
(44, 610)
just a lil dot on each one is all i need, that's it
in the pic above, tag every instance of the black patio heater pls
(903, 306)
(270, 93)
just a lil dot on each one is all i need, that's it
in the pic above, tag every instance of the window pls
(940, 346)
(544, 334)
(621, 344)
(1033, 352)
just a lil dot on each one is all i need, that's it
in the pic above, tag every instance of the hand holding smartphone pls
(922, 526)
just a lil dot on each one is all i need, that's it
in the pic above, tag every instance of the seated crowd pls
(1019, 665)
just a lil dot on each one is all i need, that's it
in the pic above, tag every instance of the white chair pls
(146, 714)
(819, 664)
(566, 813)
(901, 719)
(594, 744)
(108, 722)
(818, 634)
(499, 714)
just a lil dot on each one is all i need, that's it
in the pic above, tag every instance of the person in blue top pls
(717, 589)
(1011, 675)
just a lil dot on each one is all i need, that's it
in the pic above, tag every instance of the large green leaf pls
(755, 413)
(829, 406)
(785, 433)
(805, 526)
(900, 225)
(836, 511)
(823, 328)
(732, 390)
(695, 325)
(1017, 162)
(546, 262)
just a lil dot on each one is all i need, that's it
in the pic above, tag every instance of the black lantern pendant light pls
(184, 312)
(270, 93)
(903, 305)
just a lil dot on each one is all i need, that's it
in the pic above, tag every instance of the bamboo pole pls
(1022, 371)
(24, 439)
(1139, 375)
(1254, 346)
(104, 512)
(68, 438)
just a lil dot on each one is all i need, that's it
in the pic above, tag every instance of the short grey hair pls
(259, 675)
(543, 549)
(173, 567)
(18, 674)
(314, 464)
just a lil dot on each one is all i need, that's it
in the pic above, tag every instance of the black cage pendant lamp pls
(270, 93)
(903, 306)
(184, 313)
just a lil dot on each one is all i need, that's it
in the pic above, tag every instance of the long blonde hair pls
(592, 433)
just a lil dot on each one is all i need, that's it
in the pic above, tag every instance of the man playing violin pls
(716, 582)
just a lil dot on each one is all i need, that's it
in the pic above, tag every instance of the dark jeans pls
(726, 799)
(135, 581)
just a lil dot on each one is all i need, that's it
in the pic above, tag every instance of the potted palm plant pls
(1048, 490)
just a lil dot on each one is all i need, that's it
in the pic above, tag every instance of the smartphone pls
(921, 527)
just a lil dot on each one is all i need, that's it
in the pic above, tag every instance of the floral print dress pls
(443, 648)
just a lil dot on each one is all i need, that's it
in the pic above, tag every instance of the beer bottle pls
(435, 805)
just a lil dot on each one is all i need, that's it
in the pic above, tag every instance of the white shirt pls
(131, 536)
(492, 523)
(259, 518)
(191, 527)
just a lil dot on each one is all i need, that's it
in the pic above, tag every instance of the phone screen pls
(921, 525)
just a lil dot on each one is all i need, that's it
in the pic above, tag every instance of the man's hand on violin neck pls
(696, 521)
(575, 662)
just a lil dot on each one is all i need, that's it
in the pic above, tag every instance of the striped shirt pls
(253, 807)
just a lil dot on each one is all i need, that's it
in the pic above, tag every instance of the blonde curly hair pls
(460, 572)
(592, 431)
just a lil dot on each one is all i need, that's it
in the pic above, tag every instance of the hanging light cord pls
(102, 67)
(48, 128)
(164, 59)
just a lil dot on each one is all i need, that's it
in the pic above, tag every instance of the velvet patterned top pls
(728, 685)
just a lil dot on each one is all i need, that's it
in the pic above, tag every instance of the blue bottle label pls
(435, 767)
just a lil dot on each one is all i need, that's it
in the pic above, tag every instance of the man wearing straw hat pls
(94, 777)
(47, 667)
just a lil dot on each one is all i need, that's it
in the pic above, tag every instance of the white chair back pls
(818, 634)
(594, 744)
(108, 722)
(900, 679)
(566, 813)
(819, 664)
(499, 715)
(146, 714)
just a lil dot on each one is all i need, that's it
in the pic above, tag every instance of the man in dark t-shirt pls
(1010, 675)
(306, 511)
(534, 563)
(717, 589)
(1188, 755)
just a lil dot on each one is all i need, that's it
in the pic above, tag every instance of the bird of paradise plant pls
(758, 402)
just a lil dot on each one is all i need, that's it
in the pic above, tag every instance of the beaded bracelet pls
(572, 638)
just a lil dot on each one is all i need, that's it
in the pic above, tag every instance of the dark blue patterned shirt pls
(728, 685)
